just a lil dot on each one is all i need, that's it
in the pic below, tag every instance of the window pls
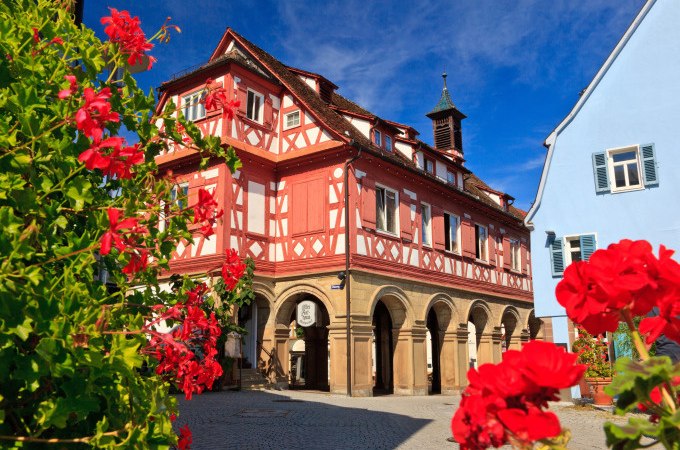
(179, 195)
(429, 165)
(254, 106)
(481, 240)
(515, 255)
(377, 138)
(451, 232)
(625, 169)
(569, 249)
(451, 178)
(386, 209)
(194, 107)
(388, 143)
(292, 120)
(426, 224)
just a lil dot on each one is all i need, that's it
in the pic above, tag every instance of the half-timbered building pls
(414, 267)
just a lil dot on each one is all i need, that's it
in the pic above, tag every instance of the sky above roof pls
(515, 67)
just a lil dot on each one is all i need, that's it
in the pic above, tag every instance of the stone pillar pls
(524, 336)
(496, 345)
(448, 362)
(337, 336)
(410, 361)
(463, 360)
(281, 354)
(362, 359)
(485, 349)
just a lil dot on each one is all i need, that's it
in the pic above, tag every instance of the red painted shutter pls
(492, 248)
(438, 228)
(299, 209)
(368, 202)
(268, 112)
(405, 218)
(242, 96)
(506, 254)
(523, 258)
(468, 237)
(316, 201)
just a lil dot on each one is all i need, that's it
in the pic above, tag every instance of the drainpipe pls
(347, 278)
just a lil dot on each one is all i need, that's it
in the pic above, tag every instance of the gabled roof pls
(550, 140)
(329, 115)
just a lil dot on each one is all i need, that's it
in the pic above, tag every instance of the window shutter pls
(648, 165)
(242, 96)
(588, 246)
(507, 261)
(268, 112)
(405, 219)
(601, 172)
(368, 203)
(468, 243)
(438, 227)
(523, 256)
(557, 257)
(299, 210)
(491, 245)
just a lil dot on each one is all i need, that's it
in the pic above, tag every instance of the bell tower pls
(446, 125)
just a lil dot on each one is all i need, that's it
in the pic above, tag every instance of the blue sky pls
(515, 67)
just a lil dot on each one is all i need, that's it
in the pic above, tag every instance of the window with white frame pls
(426, 224)
(625, 169)
(451, 233)
(429, 165)
(193, 106)
(292, 120)
(388, 143)
(515, 255)
(569, 249)
(387, 204)
(451, 177)
(254, 107)
(179, 195)
(481, 247)
(377, 138)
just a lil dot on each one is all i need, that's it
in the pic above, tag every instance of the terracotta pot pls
(597, 386)
(584, 388)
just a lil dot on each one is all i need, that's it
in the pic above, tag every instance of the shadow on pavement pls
(261, 420)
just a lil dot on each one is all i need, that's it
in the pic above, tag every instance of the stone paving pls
(313, 420)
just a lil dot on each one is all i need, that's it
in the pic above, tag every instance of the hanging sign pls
(306, 313)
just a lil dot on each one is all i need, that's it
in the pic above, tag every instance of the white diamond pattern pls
(395, 252)
(256, 249)
(318, 246)
(299, 248)
(380, 248)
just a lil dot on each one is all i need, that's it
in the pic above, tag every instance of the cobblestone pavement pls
(312, 420)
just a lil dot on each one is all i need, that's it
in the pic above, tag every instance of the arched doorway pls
(253, 318)
(509, 338)
(535, 326)
(479, 339)
(308, 345)
(434, 347)
(383, 351)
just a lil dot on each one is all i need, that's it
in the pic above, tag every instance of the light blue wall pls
(636, 102)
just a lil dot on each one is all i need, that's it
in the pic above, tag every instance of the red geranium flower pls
(127, 33)
(113, 237)
(232, 269)
(217, 96)
(530, 426)
(205, 208)
(73, 87)
(138, 262)
(91, 117)
(185, 438)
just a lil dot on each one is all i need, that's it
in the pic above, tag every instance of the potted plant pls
(592, 352)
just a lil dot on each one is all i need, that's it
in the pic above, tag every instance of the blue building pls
(612, 170)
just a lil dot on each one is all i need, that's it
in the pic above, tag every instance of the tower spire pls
(446, 125)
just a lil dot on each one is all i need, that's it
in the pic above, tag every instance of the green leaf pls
(125, 352)
(79, 193)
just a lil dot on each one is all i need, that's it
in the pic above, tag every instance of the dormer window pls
(377, 138)
(451, 177)
(388, 143)
(429, 165)
(254, 106)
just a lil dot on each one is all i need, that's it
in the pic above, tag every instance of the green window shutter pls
(601, 172)
(649, 174)
(556, 257)
(588, 246)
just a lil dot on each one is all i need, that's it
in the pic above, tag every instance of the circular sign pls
(306, 313)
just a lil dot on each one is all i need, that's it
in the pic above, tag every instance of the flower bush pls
(503, 404)
(85, 239)
(592, 352)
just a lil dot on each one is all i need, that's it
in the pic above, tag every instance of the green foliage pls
(593, 353)
(72, 369)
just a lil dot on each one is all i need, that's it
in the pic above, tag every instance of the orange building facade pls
(415, 267)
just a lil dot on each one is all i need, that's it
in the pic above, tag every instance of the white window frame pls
(482, 249)
(566, 247)
(456, 232)
(431, 163)
(451, 178)
(426, 225)
(377, 138)
(385, 189)
(515, 255)
(286, 125)
(184, 187)
(193, 106)
(611, 164)
(259, 114)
